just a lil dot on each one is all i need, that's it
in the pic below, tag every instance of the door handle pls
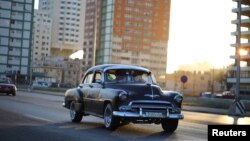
(91, 86)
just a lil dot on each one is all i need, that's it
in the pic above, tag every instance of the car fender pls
(74, 94)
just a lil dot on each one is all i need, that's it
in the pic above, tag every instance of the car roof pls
(106, 67)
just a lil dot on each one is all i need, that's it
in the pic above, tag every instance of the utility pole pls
(213, 80)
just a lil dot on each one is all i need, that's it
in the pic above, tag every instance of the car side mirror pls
(99, 81)
(80, 86)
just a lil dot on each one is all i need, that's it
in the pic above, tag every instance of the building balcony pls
(244, 34)
(245, 2)
(244, 11)
(244, 22)
(241, 68)
(242, 45)
(242, 80)
(242, 57)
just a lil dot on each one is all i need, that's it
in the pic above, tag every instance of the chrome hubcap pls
(107, 117)
(72, 111)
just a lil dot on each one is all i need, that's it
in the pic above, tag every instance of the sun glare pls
(200, 34)
(78, 54)
(243, 52)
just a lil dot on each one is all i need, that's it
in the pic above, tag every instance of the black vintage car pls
(122, 94)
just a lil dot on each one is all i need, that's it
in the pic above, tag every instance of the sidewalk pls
(185, 108)
(208, 110)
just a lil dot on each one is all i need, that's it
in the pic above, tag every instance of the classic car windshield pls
(128, 76)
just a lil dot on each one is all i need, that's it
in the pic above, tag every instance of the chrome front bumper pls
(143, 115)
(149, 109)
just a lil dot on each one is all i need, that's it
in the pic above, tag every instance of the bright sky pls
(200, 30)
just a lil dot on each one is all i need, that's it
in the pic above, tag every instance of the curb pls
(42, 92)
(209, 110)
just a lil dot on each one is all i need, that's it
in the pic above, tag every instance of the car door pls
(85, 87)
(94, 92)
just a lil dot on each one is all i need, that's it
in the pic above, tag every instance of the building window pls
(12, 21)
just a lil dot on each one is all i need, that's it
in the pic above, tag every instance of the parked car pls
(41, 84)
(228, 94)
(7, 87)
(122, 94)
(206, 94)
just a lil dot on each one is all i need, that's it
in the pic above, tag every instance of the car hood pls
(3, 84)
(143, 91)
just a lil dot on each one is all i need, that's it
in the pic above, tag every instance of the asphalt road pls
(40, 117)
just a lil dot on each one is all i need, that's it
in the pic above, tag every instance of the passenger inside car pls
(120, 76)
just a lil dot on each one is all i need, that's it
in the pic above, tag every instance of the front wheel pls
(110, 121)
(75, 116)
(169, 125)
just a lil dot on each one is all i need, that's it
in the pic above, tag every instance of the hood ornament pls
(152, 96)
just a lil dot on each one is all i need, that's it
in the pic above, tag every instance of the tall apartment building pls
(67, 25)
(42, 35)
(130, 32)
(92, 21)
(243, 9)
(16, 18)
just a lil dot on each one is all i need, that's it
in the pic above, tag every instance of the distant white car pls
(40, 84)
(228, 94)
(206, 94)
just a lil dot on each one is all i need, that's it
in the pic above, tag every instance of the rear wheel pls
(169, 125)
(110, 121)
(75, 116)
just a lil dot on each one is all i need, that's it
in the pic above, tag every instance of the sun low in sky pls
(200, 31)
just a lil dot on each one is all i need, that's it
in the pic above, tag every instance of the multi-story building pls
(243, 43)
(131, 32)
(198, 81)
(92, 20)
(68, 25)
(16, 18)
(42, 35)
(58, 70)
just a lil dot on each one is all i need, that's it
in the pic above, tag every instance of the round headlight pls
(123, 96)
(178, 98)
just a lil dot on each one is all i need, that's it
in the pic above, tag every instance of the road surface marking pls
(39, 118)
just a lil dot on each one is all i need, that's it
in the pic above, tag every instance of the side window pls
(98, 77)
(88, 78)
(110, 76)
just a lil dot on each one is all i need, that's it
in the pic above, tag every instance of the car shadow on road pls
(87, 130)
(124, 132)
(3, 94)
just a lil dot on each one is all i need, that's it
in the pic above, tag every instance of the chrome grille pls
(151, 105)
